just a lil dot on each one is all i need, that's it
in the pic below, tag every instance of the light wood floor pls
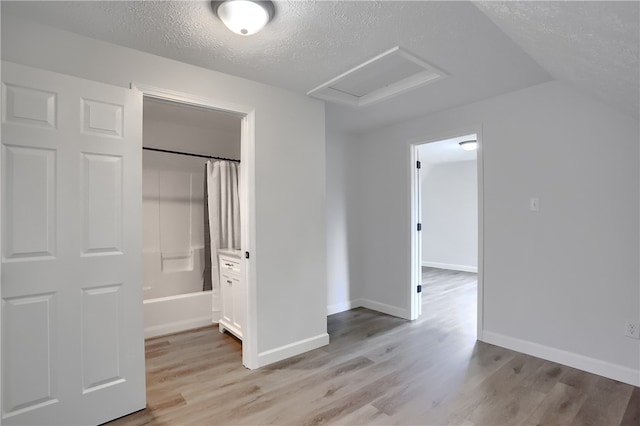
(379, 370)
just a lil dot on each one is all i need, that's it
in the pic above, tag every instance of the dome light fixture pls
(470, 145)
(244, 17)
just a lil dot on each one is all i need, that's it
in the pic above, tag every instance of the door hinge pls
(420, 289)
(418, 164)
(246, 254)
(419, 227)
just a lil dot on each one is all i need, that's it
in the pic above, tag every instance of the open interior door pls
(418, 237)
(72, 329)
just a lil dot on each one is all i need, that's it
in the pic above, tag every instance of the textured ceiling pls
(593, 46)
(310, 42)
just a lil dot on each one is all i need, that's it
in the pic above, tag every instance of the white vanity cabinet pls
(231, 293)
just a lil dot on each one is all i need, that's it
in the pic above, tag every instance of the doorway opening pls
(192, 184)
(447, 243)
(181, 286)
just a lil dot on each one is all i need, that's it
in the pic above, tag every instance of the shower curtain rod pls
(167, 151)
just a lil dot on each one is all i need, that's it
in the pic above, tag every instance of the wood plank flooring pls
(379, 370)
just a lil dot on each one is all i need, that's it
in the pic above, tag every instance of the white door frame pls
(247, 202)
(1, 254)
(416, 261)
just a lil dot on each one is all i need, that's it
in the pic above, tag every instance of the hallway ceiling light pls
(244, 17)
(470, 145)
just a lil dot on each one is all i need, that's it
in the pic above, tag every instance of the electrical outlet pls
(632, 330)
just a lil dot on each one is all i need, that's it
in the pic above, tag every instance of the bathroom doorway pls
(181, 289)
(233, 116)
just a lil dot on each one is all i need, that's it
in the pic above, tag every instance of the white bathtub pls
(172, 314)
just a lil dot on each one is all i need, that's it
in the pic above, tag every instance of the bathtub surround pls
(174, 245)
(173, 314)
(173, 221)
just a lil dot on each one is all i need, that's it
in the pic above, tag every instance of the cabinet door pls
(226, 291)
(238, 304)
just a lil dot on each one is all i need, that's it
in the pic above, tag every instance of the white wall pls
(290, 250)
(179, 137)
(559, 283)
(449, 214)
(343, 292)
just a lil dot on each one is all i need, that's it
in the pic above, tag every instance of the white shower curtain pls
(223, 214)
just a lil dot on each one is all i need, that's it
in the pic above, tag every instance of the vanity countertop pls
(230, 252)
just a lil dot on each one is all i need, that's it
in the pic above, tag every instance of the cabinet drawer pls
(228, 279)
(229, 265)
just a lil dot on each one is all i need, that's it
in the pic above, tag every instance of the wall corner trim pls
(292, 349)
(571, 359)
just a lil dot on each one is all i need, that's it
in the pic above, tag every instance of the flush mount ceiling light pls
(470, 145)
(244, 17)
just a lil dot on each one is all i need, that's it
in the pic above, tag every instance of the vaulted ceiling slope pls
(592, 45)
(308, 43)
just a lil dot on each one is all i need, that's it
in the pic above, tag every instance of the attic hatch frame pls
(429, 74)
(246, 182)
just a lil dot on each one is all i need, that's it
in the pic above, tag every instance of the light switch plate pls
(534, 204)
(632, 330)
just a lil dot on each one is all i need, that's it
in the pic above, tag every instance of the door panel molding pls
(71, 281)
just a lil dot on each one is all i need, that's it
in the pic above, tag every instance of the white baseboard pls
(450, 266)
(292, 349)
(176, 327)
(571, 359)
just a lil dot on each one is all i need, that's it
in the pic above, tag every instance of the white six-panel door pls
(72, 329)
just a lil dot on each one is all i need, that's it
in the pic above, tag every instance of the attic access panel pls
(391, 73)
